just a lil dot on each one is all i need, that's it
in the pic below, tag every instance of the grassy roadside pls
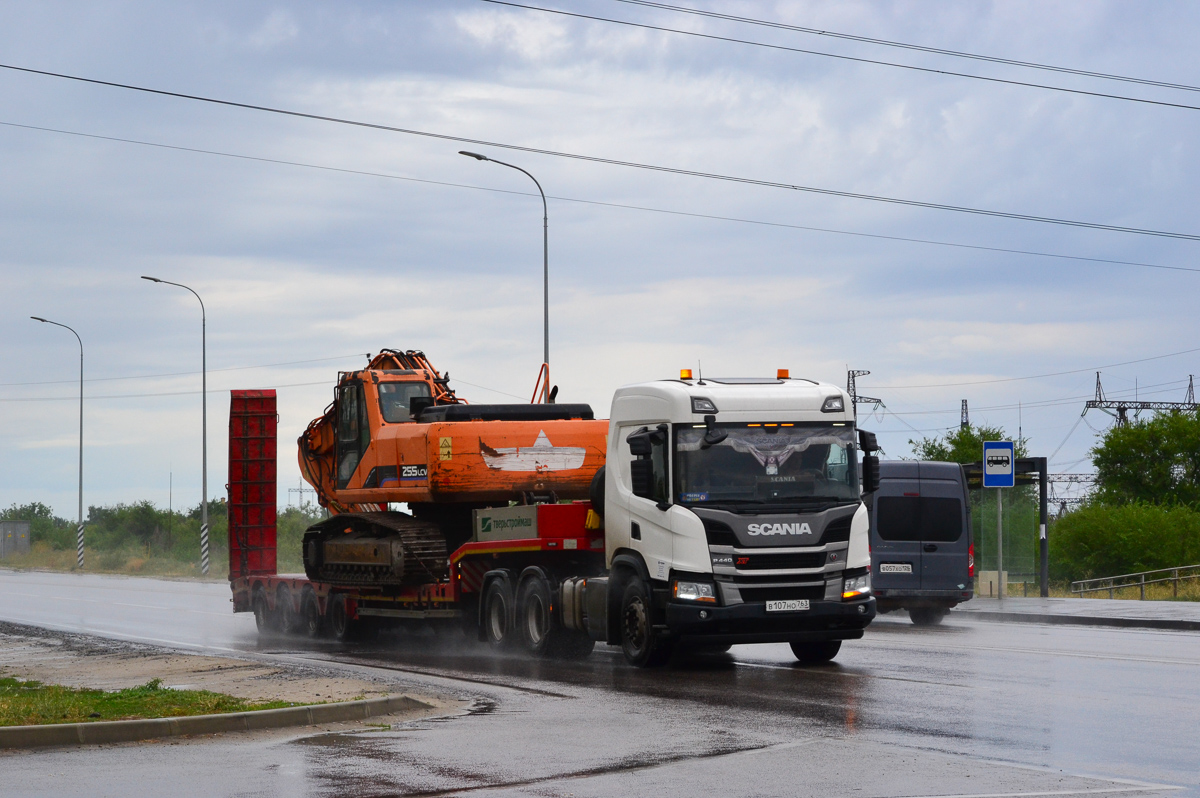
(33, 703)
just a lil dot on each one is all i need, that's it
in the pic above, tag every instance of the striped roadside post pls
(79, 529)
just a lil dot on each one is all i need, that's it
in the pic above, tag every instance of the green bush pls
(1102, 540)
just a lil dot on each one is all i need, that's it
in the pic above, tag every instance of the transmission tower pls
(965, 422)
(1119, 408)
(852, 389)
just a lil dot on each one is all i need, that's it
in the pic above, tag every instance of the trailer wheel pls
(811, 653)
(285, 610)
(264, 618)
(341, 625)
(310, 614)
(497, 613)
(926, 616)
(641, 643)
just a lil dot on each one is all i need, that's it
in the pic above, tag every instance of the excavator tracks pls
(377, 549)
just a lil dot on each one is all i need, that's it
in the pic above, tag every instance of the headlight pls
(696, 591)
(833, 404)
(856, 587)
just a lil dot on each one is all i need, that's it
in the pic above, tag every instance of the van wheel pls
(811, 653)
(642, 645)
(926, 616)
(310, 613)
(497, 614)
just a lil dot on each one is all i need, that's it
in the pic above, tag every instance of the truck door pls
(896, 535)
(944, 538)
(646, 450)
(353, 431)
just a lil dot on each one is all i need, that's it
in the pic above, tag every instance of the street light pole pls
(203, 423)
(545, 266)
(79, 528)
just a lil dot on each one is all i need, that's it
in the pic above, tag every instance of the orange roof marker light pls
(685, 374)
(782, 374)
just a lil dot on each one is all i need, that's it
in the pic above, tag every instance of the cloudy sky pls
(367, 239)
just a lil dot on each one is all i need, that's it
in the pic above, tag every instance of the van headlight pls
(856, 587)
(696, 591)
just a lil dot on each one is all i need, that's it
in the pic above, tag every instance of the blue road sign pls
(999, 464)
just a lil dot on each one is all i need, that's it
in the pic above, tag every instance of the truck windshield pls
(766, 463)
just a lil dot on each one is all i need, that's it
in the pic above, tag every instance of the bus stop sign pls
(999, 464)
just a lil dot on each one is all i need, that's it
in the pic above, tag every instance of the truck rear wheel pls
(811, 653)
(497, 614)
(641, 643)
(540, 632)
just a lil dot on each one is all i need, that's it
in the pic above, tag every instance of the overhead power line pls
(616, 162)
(183, 373)
(909, 46)
(874, 61)
(668, 211)
(1032, 376)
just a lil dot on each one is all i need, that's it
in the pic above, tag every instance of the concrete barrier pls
(123, 731)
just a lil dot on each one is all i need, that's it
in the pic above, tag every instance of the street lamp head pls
(151, 279)
(38, 318)
(474, 155)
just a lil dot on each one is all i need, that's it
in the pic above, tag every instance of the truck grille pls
(719, 534)
(787, 593)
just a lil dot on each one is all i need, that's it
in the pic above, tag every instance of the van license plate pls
(787, 606)
(895, 568)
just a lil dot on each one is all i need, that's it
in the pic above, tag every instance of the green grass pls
(34, 703)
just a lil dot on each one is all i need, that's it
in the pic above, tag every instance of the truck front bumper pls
(751, 623)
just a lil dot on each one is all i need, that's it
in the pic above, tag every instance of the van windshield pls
(766, 464)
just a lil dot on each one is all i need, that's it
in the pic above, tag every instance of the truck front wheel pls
(812, 653)
(641, 643)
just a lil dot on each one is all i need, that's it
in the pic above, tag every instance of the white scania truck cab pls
(733, 513)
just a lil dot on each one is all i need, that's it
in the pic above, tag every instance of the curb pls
(123, 731)
(1080, 620)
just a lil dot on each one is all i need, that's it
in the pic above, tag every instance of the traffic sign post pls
(999, 471)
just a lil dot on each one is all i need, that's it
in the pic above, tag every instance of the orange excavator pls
(396, 433)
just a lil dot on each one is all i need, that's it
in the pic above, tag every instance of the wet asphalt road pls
(966, 709)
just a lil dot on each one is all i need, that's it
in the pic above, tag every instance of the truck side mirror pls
(639, 443)
(870, 473)
(641, 473)
(712, 435)
(867, 442)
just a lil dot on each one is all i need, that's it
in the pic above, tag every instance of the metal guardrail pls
(1138, 580)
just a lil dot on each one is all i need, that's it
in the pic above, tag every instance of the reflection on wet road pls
(969, 708)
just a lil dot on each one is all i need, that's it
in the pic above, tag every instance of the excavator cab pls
(396, 400)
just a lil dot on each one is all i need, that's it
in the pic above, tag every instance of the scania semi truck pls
(720, 511)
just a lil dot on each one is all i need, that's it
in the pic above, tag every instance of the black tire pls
(811, 653)
(926, 616)
(264, 618)
(311, 621)
(339, 619)
(535, 625)
(642, 645)
(285, 610)
(596, 491)
(497, 617)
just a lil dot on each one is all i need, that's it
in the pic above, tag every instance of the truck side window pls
(649, 468)
(353, 433)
